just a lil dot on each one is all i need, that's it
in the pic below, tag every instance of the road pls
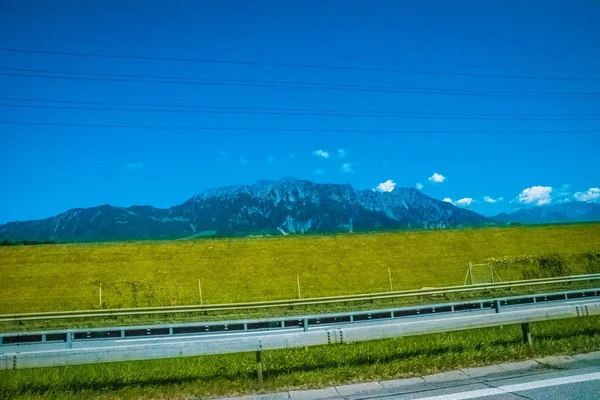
(581, 383)
(183, 338)
(550, 378)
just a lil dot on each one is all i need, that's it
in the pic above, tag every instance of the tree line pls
(6, 242)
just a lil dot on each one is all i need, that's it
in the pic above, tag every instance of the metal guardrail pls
(292, 302)
(282, 333)
(65, 339)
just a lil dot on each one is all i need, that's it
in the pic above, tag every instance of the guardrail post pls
(525, 328)
(259, 372)
(497, 306)
(70, 336)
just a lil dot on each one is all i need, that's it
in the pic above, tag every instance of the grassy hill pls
(62, 277)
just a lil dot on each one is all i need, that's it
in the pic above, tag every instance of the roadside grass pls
(314, 367)
(136, 274)
(261, 313)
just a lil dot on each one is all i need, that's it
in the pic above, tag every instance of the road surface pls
(550, 378)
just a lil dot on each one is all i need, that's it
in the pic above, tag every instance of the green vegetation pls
(299, 368)
(25, 242)
(68, 276)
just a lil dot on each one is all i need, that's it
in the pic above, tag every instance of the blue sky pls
(521, 55)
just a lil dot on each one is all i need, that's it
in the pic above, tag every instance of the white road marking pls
(516, 388)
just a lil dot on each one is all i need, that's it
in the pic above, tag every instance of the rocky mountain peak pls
(281, 207)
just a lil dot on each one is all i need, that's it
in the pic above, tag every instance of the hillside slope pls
(286, 206)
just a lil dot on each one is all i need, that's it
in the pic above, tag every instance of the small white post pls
(390, 279)
(471, 273)
(100, 294)
(497, 276)
(200, 290)
(298, 280)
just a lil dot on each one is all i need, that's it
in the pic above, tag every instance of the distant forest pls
(26, 242)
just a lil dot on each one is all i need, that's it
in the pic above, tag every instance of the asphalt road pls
(579, 380)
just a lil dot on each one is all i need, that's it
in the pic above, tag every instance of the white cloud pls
(347, 168)
(592, 194)
(318, 171)
(563, 191)
(320, 153)
(134, 165)
(489, 199)
(342, 153)
(464, 202)
(243, 160)
(437, 178)
(386, 186)
(419, 186)
(537, 195)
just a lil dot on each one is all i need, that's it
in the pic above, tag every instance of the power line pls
(199, 109)
(223, 128)
(287, 53)
(104, 77)
(297, 65)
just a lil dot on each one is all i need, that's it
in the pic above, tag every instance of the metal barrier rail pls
(292, 302)
(221, 344)
(305, 322)
(510, 310)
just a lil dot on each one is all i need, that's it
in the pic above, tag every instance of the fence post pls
(200, 290)
(467, 276)
(298, 280)
(259, 372)
(525, 328)
(390, 279)
(471, 273)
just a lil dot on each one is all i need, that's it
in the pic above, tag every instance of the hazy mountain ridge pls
(286, 206)
(577, 211)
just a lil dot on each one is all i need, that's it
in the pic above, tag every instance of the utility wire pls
(104, 77)
(285, 129)
(288, 53)
(292, 112)
(296, 65)
(195, 106)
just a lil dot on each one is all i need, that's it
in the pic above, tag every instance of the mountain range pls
(286, 206)
(283, 207)
(577, 211)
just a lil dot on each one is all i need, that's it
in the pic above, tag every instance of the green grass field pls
(67, 277)
(235, 374)
(62, 277)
